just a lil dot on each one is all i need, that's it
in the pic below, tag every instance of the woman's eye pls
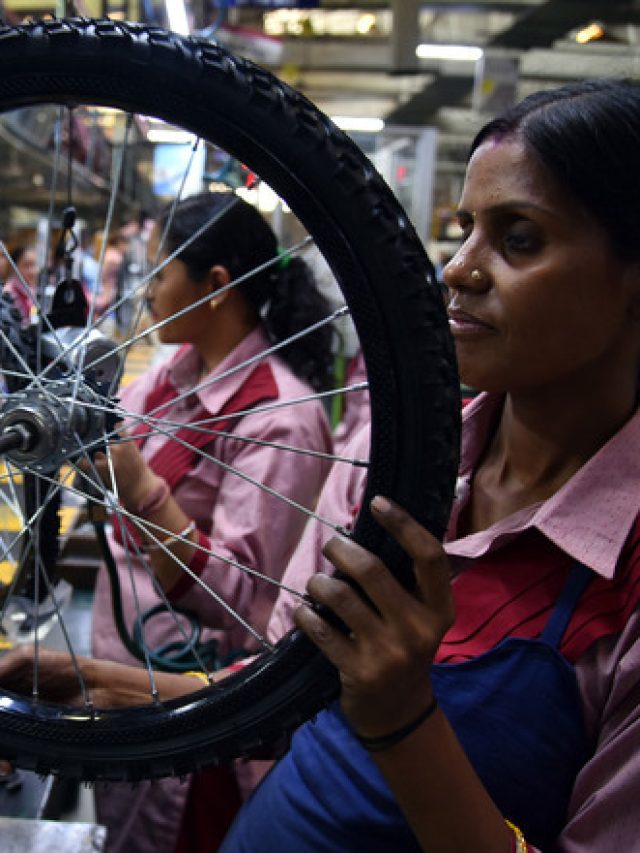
(520, 241)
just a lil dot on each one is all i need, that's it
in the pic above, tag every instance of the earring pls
(213, 303)
(477, 275)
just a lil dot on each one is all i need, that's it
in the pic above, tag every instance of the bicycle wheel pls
(386, 278)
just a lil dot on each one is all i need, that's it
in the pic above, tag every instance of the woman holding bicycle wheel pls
(494, 707)
(498, 712)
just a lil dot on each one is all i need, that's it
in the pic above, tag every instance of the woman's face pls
(28, 267)
(113, 259)
(173, 290)
(550, 301)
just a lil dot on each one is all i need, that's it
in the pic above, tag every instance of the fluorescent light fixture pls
(461, 52)
(175, 137)
(262, 197)
(359, 123)
(177, 17)
(593, 32)
(365, 24)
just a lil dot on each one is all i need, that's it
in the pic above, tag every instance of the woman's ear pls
(218, 278)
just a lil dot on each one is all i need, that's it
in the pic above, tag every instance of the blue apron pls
(517, 712)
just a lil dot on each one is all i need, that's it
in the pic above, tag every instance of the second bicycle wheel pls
(396, 307)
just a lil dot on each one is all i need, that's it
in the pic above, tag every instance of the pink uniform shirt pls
(357, 410)
(339, 504)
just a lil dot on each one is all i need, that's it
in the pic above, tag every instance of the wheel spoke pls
(218, 599)
(115, 185)
(53, 190)
(198, 426)
(41, 572)
(262, 486)
(256, 359)
(124, 347)
(29, 534)
(156, 532)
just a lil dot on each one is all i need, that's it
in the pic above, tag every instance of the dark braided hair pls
(284, 294)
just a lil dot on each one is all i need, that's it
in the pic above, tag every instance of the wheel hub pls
(55, 422)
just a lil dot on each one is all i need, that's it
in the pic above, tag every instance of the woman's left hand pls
(384, 661)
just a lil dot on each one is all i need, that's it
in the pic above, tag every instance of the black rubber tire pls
(398, 312)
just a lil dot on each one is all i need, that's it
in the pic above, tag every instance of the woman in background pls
(22, 280)
(197, 492)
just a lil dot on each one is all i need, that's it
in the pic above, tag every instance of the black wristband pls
(377, 744)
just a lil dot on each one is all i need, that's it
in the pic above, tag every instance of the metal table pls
(48, 836)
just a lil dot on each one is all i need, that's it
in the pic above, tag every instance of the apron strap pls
(579, 579)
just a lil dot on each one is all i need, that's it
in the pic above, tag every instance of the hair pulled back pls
(18, 254)
(284, 294)
(587, 134)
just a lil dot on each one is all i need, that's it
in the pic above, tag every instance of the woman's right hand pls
(134, 478)
(385, 657)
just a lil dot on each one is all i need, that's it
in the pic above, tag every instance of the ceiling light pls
(169, 136)
(593, 32)
(177, 17)
(460, 52)
(365, 24)
(361, 124)
(324, 22)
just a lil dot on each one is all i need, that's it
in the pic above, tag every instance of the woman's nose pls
(465, 271)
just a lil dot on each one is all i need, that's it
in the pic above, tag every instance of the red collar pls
(175, 459)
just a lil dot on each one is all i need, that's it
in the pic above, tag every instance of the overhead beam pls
(537, 27)
(540, 27)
